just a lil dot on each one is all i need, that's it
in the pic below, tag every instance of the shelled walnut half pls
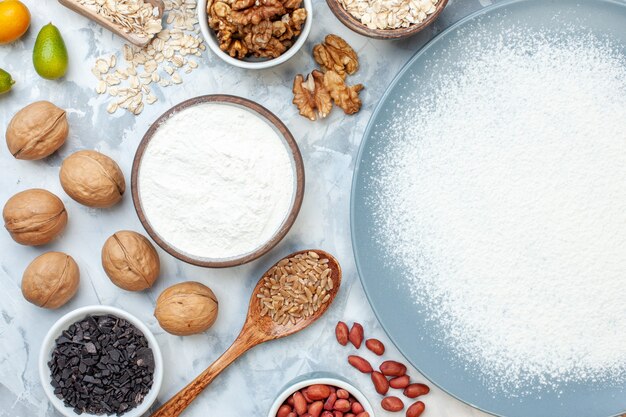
(313, 96)
(334, 54)
(344, 96)
(260, 28)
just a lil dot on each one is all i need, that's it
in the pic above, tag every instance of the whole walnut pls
(37, 131)
(186, 308)
(92, 179)
(51, 280)
(34, 217)
(130, 260)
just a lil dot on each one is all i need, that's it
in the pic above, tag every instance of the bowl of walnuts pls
(255, 34)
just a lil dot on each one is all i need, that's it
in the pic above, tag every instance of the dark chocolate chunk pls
(91, 348)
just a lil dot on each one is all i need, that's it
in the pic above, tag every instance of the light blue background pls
(329, 150)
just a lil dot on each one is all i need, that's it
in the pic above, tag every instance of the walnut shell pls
(34, 217)
(92, 179)
(51, 280)
(130, 261)
(186, 308)
(37, 131)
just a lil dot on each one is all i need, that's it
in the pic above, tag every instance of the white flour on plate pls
(216, 181)
(503, 193)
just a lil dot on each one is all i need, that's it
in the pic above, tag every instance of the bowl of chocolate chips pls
(100, 360)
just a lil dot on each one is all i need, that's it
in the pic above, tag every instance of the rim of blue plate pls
(355, 175)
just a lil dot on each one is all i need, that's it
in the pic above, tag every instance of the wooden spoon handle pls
(180, 401)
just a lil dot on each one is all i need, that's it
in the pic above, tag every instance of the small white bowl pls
(253, 63)
(325, 378)
(72, 317)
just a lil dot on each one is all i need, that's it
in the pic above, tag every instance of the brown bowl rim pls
(264, 114)
(351, 23)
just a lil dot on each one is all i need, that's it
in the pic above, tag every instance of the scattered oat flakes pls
(112, 107)
(155, 63)
(102, 87)
(102, 66)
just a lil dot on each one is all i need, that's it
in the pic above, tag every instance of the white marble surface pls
(329, 149)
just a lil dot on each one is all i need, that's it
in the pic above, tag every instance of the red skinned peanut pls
(416, 409)
(380, 383)
(415, 390)
(318, 392)
(392, 404)
(360, 364)
(341, 332)
(375, 346)
(299, 403)
(283, 411)
(343, 394)
(306, 396)
(330, 401)
(357, 408)
(356, 335)
(316, 408)
(400, 382)
(392, 368)
(342, 405)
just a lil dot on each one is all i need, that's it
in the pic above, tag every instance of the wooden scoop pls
(140, 41)
(256, 330)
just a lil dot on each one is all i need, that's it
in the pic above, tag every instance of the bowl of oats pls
(387, 19)
(255, 34)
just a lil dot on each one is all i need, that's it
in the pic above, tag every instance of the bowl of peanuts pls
(320, 394)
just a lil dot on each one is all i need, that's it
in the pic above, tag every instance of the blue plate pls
(409, 329)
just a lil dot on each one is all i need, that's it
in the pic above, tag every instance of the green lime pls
(6, 82)
(50, 55)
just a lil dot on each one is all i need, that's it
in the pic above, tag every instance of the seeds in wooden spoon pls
(295, 288)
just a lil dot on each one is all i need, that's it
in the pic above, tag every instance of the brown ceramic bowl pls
(298, 167)
(400, 33)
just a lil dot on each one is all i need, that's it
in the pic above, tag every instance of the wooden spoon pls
(256, 330)
(140, 41)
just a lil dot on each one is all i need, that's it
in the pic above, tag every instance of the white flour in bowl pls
(216, 181)
(503, 193)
